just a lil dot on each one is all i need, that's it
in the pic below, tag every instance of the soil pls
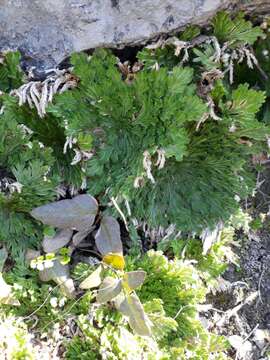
(251, 282)
(248, 289)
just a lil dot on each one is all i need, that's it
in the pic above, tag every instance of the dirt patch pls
(243, 310)
(252, 320)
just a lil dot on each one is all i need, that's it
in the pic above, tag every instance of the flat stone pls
(48, 31)
(58, 241)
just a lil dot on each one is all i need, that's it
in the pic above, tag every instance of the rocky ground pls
(247, 301)
(243, 309)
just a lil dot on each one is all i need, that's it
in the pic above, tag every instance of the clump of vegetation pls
(173, 313)
(168, 142)
(157, 134)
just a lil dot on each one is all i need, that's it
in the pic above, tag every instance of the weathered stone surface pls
(47, 31)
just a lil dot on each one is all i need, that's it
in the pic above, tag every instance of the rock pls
(51, 244)
(47, 31)
(242, 347)
(30, 255)
(60, 275)
(261, 337)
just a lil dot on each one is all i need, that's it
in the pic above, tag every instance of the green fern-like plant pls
(158, 114)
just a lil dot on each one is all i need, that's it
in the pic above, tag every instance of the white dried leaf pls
(138, 320)
(261, 337)
(93, 280)
(135, 278)
(40, 93)
(109, 289)
(242, 347)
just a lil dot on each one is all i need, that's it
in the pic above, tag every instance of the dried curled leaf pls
(60, 275)
(117, 261)
(133, 279)
(78, 213)
(109, 289)
(51, 244)
(93, 280)
(138, 320)
(108, 238)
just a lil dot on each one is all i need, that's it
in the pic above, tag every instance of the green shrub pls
(152, 142)
(149, 148)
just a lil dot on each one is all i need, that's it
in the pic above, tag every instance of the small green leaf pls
(85, 141)
(109, 289)
(190, 32)
(236, 31)
(49, 231)
(93, 280)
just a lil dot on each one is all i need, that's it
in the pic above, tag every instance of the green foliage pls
(159, 111)
(205, 57)
(184, 288)
(81, 349)
(224, 46)
(27, 166)
(211, 265)
(172, 312)
(259, 78)
(236, 31)
(170, 146)
(190, 32)
(159, 57)
(245, 104)
(184, 291)
(18, 231)
(32, 163)
(11, 75)
(104, 331)
(33, 296)
(130, 127)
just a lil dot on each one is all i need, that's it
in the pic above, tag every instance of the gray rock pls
(51, 244)
(48, 31)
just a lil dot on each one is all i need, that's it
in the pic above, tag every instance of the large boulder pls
(47, 31)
